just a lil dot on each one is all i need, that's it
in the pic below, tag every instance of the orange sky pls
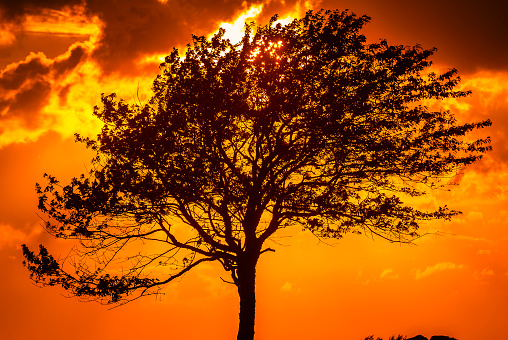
(56, 60)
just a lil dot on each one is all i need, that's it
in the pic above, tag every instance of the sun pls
(234, 31)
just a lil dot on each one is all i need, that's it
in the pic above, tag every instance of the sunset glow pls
(7, 37)
(58, 57)
(66, 22)
(236, 30)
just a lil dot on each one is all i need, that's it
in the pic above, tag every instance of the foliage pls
(304, 124)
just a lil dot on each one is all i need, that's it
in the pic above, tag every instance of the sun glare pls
(152, 59)
(271, 48)
(235, 31)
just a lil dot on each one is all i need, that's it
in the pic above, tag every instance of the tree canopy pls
(304, 124)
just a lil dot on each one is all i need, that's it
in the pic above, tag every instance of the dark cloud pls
(28, 102)
(63, 93)
(14, 77)
(27, 86)
(14, 9)
(76, 56)
(29, 81)
(469, 35)
(135, 28)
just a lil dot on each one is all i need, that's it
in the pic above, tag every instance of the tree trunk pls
(247, 292)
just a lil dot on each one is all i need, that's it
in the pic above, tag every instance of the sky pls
(58, 56)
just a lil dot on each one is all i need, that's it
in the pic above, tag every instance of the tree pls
(305, 124)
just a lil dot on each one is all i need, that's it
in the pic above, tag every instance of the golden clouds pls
(28, 90)
(34, 92)
(492, 88)
(388, 274)
(261, 11)
(438, 267)
(484, 273)
(235, 31)
(488, 99)
(40, 94)
(71, 21)
(24, 88)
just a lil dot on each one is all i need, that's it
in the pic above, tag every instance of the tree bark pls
(247, 292)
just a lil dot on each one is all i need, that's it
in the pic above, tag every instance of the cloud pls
(26, 87)
(483, 274)
(7, 37)
(29, 88)
(133, 29)
(290, 287)
(26, 104)
(15, 75)
(11, 237)
(388, 274)
(488, 100)
(69, 61)
(439, 267)
(468, 36)
(475, 216)
(472, 238)
(126, 34)
(287, 287)
(39, 93)
(15, 9)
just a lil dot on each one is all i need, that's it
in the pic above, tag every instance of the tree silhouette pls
(304, 124)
